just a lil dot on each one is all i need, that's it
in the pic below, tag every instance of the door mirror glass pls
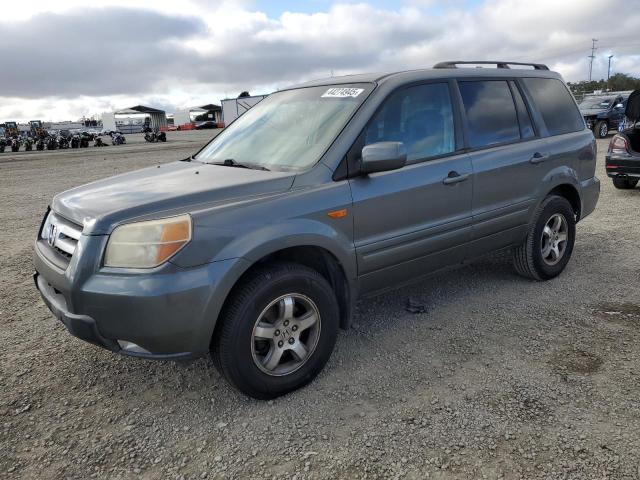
(619, 105)
(383, 156)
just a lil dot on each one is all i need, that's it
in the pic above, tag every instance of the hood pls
(592, 111)
(632, 112)
(170, 187)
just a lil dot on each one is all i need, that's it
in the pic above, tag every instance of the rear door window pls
(490, 111)
(421, 117)
(555, 104)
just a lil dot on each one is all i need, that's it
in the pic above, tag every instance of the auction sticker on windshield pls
(344, 92)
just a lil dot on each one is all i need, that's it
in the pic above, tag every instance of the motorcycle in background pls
(15, 144)
(40, 144)
(52, 143)
(99, 143)
(84, 140)
(28, 144)
(75, 141)
(3, 144)
(63, 142)
(155, 136)
(118, 139)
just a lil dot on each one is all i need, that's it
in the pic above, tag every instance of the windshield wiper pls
(230, 162)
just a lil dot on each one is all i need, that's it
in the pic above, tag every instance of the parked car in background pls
(257, 247)
(206, 125)
(622, 161)
(603, 112)
(103, 132)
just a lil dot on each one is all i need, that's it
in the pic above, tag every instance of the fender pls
(250, 248)
(559, 176)
(296, 232)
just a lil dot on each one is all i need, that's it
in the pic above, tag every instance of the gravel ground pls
(498, 377)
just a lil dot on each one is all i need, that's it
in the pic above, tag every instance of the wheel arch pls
(313, 254)
(569, 192)
(321, 260)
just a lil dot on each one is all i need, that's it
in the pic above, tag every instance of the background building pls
(134, 119)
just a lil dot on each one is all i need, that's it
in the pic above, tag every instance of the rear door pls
(411, 221)
(570, 145)
(507, 154)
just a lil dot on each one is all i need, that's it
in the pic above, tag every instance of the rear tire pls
(546, 250)
(601, 129)
(266, 343)
(625, 183)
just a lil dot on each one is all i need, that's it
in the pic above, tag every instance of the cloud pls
(94, 52)
(79, 60)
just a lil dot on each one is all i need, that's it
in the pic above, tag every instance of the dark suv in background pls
(622, 160)
(257, 247)
(603, 112)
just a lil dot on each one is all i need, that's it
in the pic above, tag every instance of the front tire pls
(277, 330)
(625, 183)
(547, 248)
(601, 129)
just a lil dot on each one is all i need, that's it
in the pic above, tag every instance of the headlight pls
(147, 244)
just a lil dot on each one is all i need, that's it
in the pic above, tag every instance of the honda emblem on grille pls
(53, 233)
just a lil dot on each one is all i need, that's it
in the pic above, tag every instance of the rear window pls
(555, 104)
(490, 111)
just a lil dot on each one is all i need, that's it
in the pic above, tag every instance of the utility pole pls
(609, 68)
(593, 55)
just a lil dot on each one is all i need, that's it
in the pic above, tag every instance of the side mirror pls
(383, 156)
(619, 105)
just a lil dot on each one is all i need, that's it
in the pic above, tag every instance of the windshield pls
(596, 103)
(288, 130)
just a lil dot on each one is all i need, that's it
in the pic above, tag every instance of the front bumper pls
(81, 326)
(167, 312)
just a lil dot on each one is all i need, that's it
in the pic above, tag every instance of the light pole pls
(593, 55)
(609, 67)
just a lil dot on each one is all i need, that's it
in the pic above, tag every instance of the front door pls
(411, 221)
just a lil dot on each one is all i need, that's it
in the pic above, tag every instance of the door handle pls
(454, 177)
(538, 158)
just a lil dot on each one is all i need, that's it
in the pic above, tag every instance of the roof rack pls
(499, 64)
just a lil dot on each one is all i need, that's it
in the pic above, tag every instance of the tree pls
(616, 83)
(621, 81)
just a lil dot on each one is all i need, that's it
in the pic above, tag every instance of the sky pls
(66, 60)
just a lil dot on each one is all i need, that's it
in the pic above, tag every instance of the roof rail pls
(499, 64)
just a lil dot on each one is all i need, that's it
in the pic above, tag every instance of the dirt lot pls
(500, 377)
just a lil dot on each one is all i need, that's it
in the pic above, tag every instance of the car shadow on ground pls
(377, 319)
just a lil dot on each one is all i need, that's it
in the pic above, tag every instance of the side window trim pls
(459, 120)
(536, 117)
(514, 92)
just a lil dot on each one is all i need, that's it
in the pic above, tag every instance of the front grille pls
(60, 235)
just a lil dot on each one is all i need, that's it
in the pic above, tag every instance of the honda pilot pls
(257, 247)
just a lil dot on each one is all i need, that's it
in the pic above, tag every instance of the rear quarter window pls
(555, 104)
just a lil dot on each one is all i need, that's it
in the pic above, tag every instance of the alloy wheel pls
(554, 239)
(604, 129)
(285, 334)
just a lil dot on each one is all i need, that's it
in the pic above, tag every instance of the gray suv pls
(257, 247)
